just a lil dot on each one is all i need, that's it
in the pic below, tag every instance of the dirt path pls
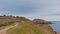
(3, 31)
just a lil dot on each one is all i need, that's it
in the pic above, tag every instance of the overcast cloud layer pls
(44, 9)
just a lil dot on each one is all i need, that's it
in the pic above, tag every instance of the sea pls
(56, 25)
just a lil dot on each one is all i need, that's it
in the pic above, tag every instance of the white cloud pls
(48, 9)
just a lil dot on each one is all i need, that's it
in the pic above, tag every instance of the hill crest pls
(38, 22)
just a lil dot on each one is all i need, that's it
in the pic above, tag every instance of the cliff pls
(40, 23)
(44, 24)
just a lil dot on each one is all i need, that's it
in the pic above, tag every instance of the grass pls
(25, 28)
(5, 25)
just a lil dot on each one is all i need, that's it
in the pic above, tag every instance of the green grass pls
(2, 26)
(6, 24)
(25, 28)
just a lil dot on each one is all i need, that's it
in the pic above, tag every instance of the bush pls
(4, 15)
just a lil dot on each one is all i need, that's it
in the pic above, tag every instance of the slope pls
(27, 27)
(3, 31)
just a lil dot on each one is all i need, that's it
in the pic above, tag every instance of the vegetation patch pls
(6, 24)
(25, 28)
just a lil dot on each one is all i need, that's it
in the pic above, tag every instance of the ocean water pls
(56, 25)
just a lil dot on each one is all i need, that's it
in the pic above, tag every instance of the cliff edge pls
(38, 25)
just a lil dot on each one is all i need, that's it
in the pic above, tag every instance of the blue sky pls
(44, 9)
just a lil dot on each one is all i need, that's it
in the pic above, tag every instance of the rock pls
(44, 24)
(40, 21)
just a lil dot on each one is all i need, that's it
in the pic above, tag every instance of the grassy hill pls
(25, 26)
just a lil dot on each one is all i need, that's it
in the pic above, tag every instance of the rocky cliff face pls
(45, 24)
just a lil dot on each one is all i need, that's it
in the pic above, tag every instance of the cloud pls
(45, 9)
(19, 6)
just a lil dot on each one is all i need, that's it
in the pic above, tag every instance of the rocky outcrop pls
(41, 21)
(44, 24)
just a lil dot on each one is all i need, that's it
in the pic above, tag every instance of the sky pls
(43, 9)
